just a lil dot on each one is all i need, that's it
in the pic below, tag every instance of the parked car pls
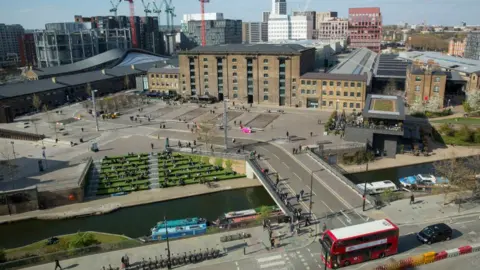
(435, 233)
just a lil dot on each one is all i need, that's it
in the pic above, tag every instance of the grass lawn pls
(40, 247)
(384, 105)
(453, 140)
(459, 121)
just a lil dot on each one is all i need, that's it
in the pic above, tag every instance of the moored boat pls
(236, 217)
(422, 181)
(378, 187)
(179, 228)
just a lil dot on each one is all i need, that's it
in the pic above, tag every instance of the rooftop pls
(445, 61)
(334, 76)
(384, 107)
(358, 62)
(365, 228)
(390, 66)
(249, 48)
(165, 70)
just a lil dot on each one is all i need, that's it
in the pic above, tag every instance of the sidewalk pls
(426, 209)
(253, 246)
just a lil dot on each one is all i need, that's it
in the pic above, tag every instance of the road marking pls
(346, 217)
(305, 263)
(334, 213)
(267, 265)
(269, 152)
(236, 263)
(238, 268)
(267, 259)
(313, 192)
(308, 250)
(297, 176)
(285, 164)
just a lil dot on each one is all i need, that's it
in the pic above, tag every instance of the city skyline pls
(34, 15)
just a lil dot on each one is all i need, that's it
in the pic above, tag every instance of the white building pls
(286, 27)
(279, 7)
(332, 29)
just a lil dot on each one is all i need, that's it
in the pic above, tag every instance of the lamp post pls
(95, 109)
(311, 192)
(365, 187)
(225, 122)
(13, 149)
(169, 262)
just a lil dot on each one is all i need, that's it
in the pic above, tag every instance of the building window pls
(309, 83)
(437, 79)
(330, 93)
(235, 88)
(234, 60)
(205, 59)
(294, 95)
(294, 87)
(308, 92)
(324, 83)
(234, 67)
(345, 104)
(436, 88)
(314, 82)
(205, 66)
(235, 81)
(417, 88)
(359, 94)
(294, 80)
(359, 84)
(352, 94)
(265, 90)
(205, 73)
(302, 91)
(265, 82)
(330, 103)
(345, 94)
(205, 80)
(265, 61)
(324, 103)
(352, 84)
(265, 75)
(303, 82)
(324, 92)
(235, 95)
(351, 105)
(418, 78)
(338, 93)
(357, 105)
(234, 74)
(265, 97)
(331, 83)
(314, 92)
(265, 68)
(345, 84)
(339, 84)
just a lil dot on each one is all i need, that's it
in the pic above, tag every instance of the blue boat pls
(423, 181)
(179, 228)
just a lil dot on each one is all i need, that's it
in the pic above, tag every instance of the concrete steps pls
(94, 178)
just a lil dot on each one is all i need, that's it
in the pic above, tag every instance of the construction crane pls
(202, 11)
(170, 12)
(146, 10)
(132, 23)
(158, 10)
(115, 7)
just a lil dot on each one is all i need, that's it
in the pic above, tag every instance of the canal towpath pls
(236, 250)
(109, 204)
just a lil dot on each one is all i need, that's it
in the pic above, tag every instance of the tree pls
(45, 110)
(101, 104)
(206, 133)
(446, 130)
(88, 89)
(464, 134)
(265, 212)
(434, 104)
(473, 100)
(228, 165)
(81, 240)
(36, 102)
(126, 82)
(391, 88)
(459, 175)
(417, 106)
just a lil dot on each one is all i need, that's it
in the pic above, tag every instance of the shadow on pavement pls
(408, 242)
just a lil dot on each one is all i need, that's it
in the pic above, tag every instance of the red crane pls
(132, 23)
(202, 10)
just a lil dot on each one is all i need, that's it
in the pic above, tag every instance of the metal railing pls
(221, 154)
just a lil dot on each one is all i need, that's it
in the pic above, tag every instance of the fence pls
(340, 176)
(20, 135)
(197, 151)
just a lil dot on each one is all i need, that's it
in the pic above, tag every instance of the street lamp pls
(365, 187)
(95, 109)
(225, 122)
(13, 148)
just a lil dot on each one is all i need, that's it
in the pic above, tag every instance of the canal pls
(392, 174)
(136, 221)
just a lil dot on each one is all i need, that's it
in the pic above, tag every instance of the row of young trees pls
(116, 102)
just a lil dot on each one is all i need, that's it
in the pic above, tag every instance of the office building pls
(254, 32)
(265, 16)
(286, 27)
(332, 29)
(312, 15)
(28, 54)
(365, 28)
(279, 7)
(472, 46)
(66, 43)
(10, 36)
(223, 31)
(324, 16)
(163, 80)
(456, 47)
(425, 82)
(259, 73)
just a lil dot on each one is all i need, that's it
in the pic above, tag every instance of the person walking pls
(307, 221)
(298, 197)
(151, 145)
(277, 181)
(301, 193)
(311, 134)
(57, 265)
(324, 227)
(412, 199)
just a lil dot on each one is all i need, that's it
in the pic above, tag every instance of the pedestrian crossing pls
(278, 261)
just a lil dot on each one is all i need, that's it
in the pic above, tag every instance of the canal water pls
(138, 220)
(392, 174)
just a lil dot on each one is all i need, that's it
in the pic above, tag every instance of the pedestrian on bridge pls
(277, 181)
(298, 197)
(301, 193)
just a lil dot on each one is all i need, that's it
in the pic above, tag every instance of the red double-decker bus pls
(359, 243)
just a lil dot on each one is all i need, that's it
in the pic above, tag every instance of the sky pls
(33, 14)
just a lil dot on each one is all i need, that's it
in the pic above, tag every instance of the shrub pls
(228, 164)
(466, 107)
(3, 256)
(81, 240)
(418, 114)
(219, 162)
(206, 160)
(476, 136)
(446, 129)
(464, 134)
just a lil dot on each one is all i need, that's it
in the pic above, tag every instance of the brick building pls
(456, 47)
(163, 80)
(365, 28)
(425, 82)
(261, 73)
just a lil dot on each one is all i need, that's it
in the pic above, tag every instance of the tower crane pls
(115, 7)
(158, 10)
(146, 9)
(132, 23)
(202, 11)
(170, 12)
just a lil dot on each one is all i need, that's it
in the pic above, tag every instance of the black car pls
(435, 233)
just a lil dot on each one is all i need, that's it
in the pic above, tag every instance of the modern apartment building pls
(66, 43)
(425, 82)
(472, 46)
(28, 53)
(456, 47)
(286, 27)
(332, 29)
(222, 31)
(365, 28)
(259, 73)
(265, 16)
(254, 32)
(10, 37)
(310, 14)
(279, 7)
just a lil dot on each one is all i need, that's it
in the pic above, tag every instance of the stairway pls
(94, 178)
(153, 170)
